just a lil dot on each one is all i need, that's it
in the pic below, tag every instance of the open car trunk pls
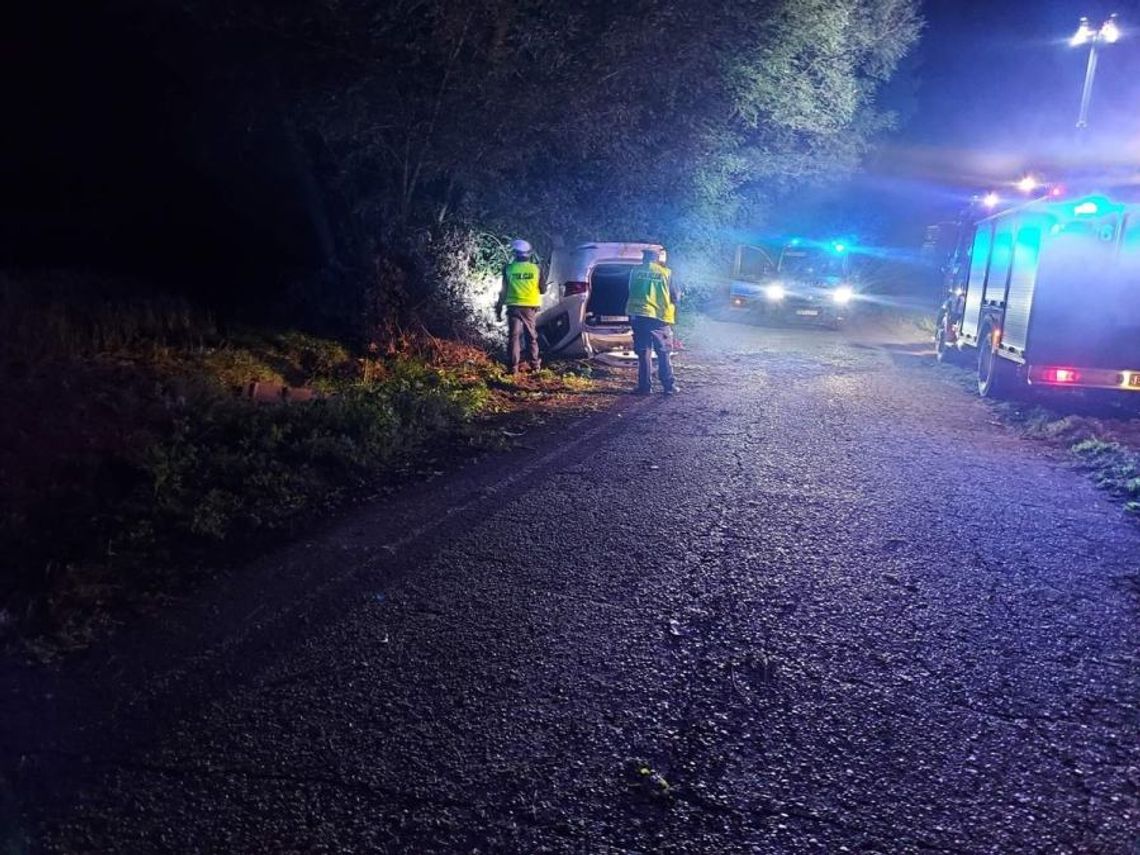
(609, 292)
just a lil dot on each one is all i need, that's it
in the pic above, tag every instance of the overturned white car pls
(584, 309)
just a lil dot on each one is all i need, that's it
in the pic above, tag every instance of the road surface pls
(820, 602)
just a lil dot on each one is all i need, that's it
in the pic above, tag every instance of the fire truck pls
(1047, 294)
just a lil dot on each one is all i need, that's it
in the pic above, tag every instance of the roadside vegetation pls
(339, 182)
(1103, 438)
(1101, 432)
(136, 450)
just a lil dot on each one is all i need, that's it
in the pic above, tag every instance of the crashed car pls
(810, 283)
(584, 310)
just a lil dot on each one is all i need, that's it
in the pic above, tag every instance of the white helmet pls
(520, 247)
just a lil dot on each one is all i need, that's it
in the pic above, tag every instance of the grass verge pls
(1103, 440)
(132, 465)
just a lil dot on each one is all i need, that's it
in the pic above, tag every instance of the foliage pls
(1103, 439)
(232, 467)
(143, 457)
(1114, 468)
(290, 357)
(234, 367)
(61, 315)
(420, 120)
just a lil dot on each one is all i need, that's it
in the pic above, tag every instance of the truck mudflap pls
(1078, 377)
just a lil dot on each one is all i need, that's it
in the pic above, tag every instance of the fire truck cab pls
(1048, 294)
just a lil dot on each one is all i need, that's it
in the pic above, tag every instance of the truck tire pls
(997, 377)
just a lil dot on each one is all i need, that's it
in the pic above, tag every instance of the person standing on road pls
(523, 287)
(652, 310)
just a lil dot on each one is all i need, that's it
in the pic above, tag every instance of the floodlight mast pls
(1109, 33)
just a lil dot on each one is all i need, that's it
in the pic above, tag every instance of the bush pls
(234, 466)
(144, 459)
(445, 284)
(65, 316)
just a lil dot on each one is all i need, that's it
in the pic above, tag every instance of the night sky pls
(997, 96)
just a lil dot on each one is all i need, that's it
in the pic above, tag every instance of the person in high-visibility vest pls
(652, 310)
(523, 287)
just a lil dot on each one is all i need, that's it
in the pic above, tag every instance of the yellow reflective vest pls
(521, 285)
(649, 294)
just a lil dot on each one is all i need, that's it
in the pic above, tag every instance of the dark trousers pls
(650, 334)
(520, 320)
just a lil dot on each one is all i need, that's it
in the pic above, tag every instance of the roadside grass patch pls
(1105, 447)
(1113, 467)
(1038, 422)
(150, 468)
(134, 464)
(1101, 433)
(229, 466)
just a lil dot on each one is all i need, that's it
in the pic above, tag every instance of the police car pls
(808, 283)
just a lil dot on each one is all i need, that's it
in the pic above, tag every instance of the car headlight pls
(843, 294)
(774, 292)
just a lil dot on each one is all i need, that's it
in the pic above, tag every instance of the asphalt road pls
(823, 595)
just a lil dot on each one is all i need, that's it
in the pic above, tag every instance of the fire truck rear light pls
(577, 288)
(1060, 375)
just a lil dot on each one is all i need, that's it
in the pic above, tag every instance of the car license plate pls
(807, 313)
(614, 319)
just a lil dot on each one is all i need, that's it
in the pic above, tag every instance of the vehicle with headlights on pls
(808, 282)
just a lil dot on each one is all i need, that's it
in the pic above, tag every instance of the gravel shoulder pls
(805, 606)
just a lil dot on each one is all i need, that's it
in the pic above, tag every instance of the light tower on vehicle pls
(1109, 33)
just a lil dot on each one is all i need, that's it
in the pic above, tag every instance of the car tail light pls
(576, 288)
(1060, 375)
